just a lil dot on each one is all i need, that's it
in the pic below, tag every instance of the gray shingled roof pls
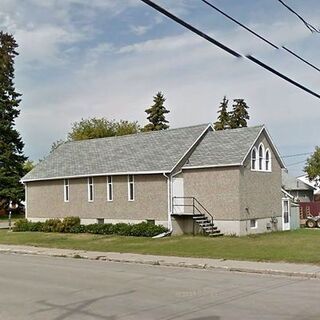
(143, 152)
(292, 183)
(224, 147)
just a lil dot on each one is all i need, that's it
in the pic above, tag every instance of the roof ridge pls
(138, 133)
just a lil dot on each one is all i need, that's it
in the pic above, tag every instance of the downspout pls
(167, 233)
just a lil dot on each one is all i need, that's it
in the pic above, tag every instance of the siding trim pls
(96, 175)
(213, 166)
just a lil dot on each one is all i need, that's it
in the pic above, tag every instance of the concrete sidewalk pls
(272, 268)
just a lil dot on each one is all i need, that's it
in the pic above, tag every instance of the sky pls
(108, 58)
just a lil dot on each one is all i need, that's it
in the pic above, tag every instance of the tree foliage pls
(239, 115)
(12, 158)
(28, 166)
(101, 128)
(223, 120)
(236, 118)
(312, 168)
(156, 114)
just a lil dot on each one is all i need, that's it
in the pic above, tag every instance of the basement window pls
(253, 224)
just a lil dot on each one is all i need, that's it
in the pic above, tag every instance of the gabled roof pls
(291, 183)
(313, 184)
(224, 148)
(150, 152)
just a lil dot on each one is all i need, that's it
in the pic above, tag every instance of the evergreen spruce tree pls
(222, 122)
(239, 115)
(156, 114)
(11, 146)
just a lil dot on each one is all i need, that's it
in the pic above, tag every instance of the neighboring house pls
(306, 180)
(301, 191)
(177, 177)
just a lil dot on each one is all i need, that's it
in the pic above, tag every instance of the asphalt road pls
(33, 287)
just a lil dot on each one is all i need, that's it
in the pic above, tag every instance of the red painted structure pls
(309, 209)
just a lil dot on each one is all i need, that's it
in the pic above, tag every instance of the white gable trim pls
(287, 194)
(272, 145)
(201, 135)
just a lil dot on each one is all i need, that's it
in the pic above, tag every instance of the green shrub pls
(21, 225)
(72, 225)
(145, 229)
(52, 225)
(35, 226)
(68, 223)
(78, 229)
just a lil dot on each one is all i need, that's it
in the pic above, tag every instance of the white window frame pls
(254, 150)
(261, 158)
(90, 185)
(131, 183)
(109, 188)
(269, 169)
(255, 224)
(66, 190)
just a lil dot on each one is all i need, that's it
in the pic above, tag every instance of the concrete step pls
(215, 234)
(199, 216)
(209, 228)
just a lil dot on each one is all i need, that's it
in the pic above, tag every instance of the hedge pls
(72, 225)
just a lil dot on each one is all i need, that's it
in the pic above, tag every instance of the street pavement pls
(55, 288)
(274, 268)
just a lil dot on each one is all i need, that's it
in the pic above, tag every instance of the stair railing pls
(194, 204)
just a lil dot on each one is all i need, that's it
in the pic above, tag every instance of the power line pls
(191, 28)
(240, 24)
(305, 61)
(261, 64)
(297, 155)
(257, 35)
(225, 48)
(295, 163)
(307, 24)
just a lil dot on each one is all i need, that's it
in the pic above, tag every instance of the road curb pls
(87, 255)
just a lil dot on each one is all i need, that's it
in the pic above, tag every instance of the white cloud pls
(139, 30)
(40, 45)
(118, 81)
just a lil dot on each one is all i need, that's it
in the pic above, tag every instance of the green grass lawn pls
(291, 246)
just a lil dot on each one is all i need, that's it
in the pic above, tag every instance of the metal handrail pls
(194, 200)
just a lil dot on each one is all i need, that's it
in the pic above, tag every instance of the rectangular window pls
(109, 189)
(130, 187)
(253, 223)
(66, 190)
(90, 189)
(286, 211)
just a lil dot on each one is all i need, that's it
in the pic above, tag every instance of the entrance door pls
(285, 215)
(177, 195)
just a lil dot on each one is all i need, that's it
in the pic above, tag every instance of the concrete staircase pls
(206, 225)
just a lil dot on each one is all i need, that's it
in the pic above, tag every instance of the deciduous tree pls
(312, 168)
